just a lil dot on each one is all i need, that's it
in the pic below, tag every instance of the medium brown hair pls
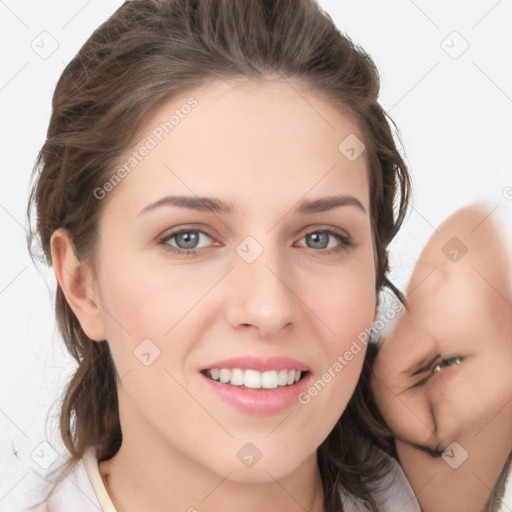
(146, 52)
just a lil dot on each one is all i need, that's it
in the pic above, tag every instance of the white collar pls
(90, 462)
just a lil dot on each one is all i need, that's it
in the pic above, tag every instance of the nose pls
(262, 296)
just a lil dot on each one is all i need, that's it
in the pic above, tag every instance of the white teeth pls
(269, 380)
(252, 379)
(282, 377)
(255, 379)
(237, 377)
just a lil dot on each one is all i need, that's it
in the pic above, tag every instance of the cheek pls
(346, 304)
(142, 300)
(346, 308)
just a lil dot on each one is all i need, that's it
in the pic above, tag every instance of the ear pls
(78, 285)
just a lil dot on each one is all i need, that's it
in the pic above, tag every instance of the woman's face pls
(261, 292)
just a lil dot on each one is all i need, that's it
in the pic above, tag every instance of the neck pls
(149, 474)
(132, 487)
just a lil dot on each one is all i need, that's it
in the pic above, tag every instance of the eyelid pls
(178, 231)
(322, 228)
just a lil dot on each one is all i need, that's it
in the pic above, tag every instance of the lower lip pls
(259, 401)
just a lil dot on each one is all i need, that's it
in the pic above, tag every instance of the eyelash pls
(346, 241)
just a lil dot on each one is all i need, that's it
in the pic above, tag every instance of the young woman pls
(216, 194)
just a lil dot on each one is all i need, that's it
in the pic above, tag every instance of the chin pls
(262, 472)
(252, 465)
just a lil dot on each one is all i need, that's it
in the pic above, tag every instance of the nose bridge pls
(263, 291)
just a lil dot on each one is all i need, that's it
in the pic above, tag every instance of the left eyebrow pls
(329, 203)
(210, 204)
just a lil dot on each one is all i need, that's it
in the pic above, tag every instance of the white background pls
(454, 115)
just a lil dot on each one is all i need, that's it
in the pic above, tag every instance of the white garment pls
(393, 493)
(506, 500)
(83, 491)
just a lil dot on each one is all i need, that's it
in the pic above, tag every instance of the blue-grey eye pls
(189, 239)
(318, 238)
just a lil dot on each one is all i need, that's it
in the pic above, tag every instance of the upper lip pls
(261, 364)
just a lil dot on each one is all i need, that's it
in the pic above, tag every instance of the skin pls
(460, 308)
(262, 147)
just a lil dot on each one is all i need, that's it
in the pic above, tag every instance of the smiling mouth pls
(253, 379)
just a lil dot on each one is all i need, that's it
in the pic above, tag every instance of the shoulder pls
(72, 488)
(76, 489)
(391, 492)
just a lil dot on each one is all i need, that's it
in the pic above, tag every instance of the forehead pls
(241, 137)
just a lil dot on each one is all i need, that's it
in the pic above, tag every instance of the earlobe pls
(78, 285)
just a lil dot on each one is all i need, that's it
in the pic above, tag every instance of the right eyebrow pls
(202, 204)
